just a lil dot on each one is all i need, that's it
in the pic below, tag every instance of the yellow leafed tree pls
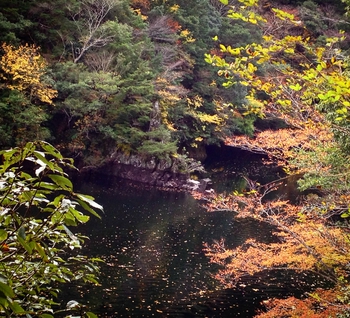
(23, 70)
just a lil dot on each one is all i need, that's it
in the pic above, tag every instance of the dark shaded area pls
(228, 166)
(152, 245)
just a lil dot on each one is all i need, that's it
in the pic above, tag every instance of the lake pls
(151, 242)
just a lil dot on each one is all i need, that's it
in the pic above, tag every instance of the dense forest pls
(119, 76)
(131, 77)
(161, 80)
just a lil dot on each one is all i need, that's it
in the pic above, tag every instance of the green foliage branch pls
(38, 251)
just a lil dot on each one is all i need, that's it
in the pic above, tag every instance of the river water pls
(151, 242)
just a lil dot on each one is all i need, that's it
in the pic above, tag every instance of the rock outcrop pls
(169, 173)
(165, 173)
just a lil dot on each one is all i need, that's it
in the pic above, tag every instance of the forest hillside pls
(95, 77)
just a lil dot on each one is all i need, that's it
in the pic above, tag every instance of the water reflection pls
(151, 242)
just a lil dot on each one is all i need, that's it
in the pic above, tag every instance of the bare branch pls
(100, 61)
(91, 25)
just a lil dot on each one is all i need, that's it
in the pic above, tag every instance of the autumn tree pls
(303, 85)
(282, 83)
(190, 101)
(303, 241)
(24, 70)
(26, 94)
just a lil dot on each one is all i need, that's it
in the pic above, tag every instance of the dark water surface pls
(151, 242)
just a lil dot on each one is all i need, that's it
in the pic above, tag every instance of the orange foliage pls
(304, 242)
(174, 25)
(323, 304)
(281, 144)
(310, 246)
(144, 5)
(217, 52)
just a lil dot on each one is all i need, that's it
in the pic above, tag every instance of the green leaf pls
(37, 239)
(97, 259)
(22, 233)
(225, 2)
(70, 233)
(89, 200)
(27, 176)
(26, 246)
(3, 235)
(57, 201)
(3, 279)
(86, 207)
(91, 315)
(56, 217)
(79, 216)
(41, 251)
(322, 96)
(61, 181)
(46, 185)
(3, 301)
(69, 220)
(51, 150)
(10, 157)
(42, 161)
(295, 87)
(16, 308)
(6, 290)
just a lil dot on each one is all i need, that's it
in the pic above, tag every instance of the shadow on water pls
(151, 242)
(227, 166)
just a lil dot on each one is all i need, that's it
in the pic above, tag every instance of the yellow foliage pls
(139, 13)
(195, 102)
(174, 8)
(249, 3)
(185, 33)
(283, 15)
(165, 120)
(187, 36)
(23, 69)
(254, 106)
(210, 119)
(169, 96)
